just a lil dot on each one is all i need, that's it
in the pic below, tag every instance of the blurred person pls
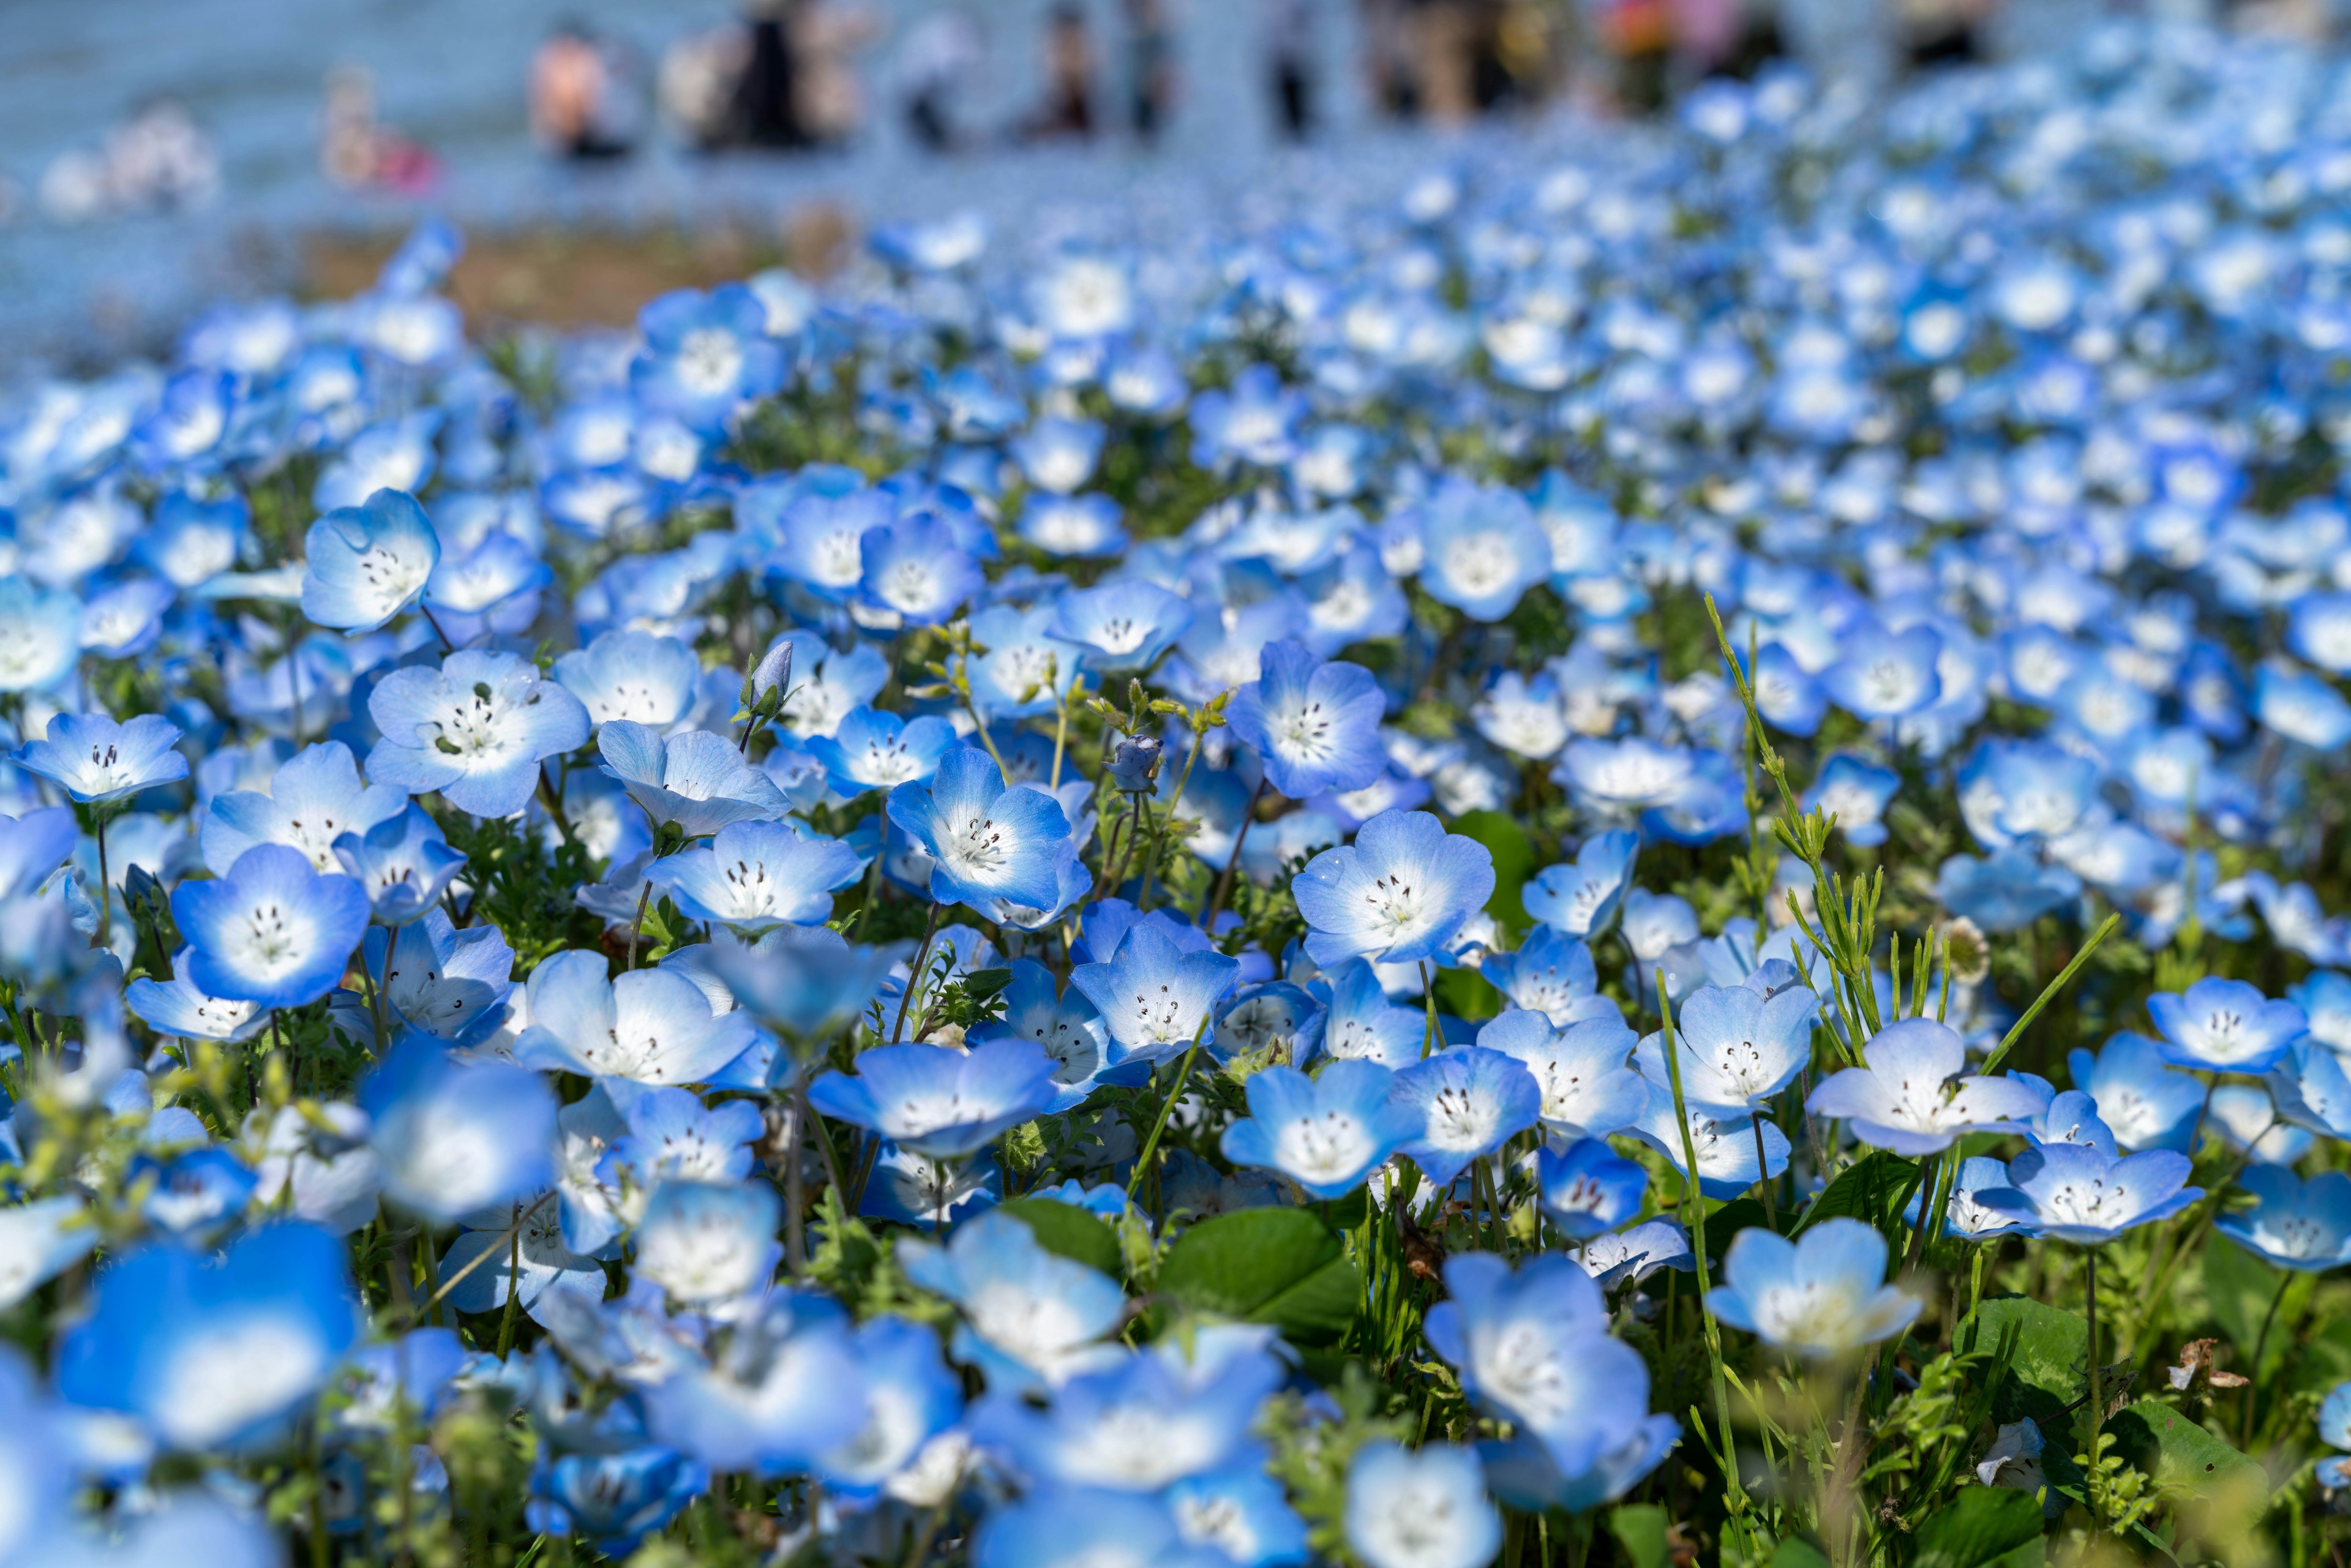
(1289, 51)
(1067, 110)
(1388, 69)
(583, 95)
(829, 96)
(766, 94)
(698, 86)
(1640, 35)
(941, 56)
(356, 149)
(1944, 32)
(159, 159)
(1151, 66)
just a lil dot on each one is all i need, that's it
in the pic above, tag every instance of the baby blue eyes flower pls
(937, 1101)
(1396, 895)
(696, 781)
(1728, 1158)
(1481, 548)
(877, 750)
(98, 761)
(632, 675)
(1358, 1023)
(650, 1026)
(452, 1135)
(1738, 1046)
(754, 876)
(1470, 1101)
(1031, 1318)
(1823, 1296)
(1855, 792)
(916, 569)
(2224, 1026)
(984, 841)
(805, 982)
(273, 931)
(2077, 1193)
(476, 729)
(2301, 707)
(1155, 995)
(366, 564)
(1138, 1426)
(1424, 1509)
(613, 1499)
(2146, 1104)
(1534, 1348)
(405, 862)
(207, 1356)
(1883, 675)
(175, 1007)
(1586, 1189)
(451, 983)
(1911, 1096)
(1587, 1089)
(39, 1240)
(1082, 1528)
(2304, 1226)
(1326, 1133)
(1582, 900)
(1121, 626)
(313, 799)
(1315, 725)
(40, 635)
(708, 1242)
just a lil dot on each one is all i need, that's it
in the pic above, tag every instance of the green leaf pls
(2239, 1287)
(1278, 1266)
(1797, 1552)
(2177, 1452)
(1467, 994)
(2053, 1348)
(2323, 1360)
(1982, 1525)
(1739, 1214)
(1514, 862)
(1640, 1528)
(1874, 1189)
(1069, 1230)
(981, 983)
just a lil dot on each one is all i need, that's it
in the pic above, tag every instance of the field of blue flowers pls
(1634, 860)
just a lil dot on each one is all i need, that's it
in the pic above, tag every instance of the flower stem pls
(1151, 1144)
(914, 975)
(1232, 861)
(1696, 1206)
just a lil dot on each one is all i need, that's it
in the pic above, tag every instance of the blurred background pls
(157, 153)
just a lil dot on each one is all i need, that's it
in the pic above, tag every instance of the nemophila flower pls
(1121, 626)
(916, 569)
(1729, 1160)
(1822, 1296)
(1024, 663)
(2005, 892)
(806, 983)
(705, 1243)
(920, 1190)
(1738, 1045)
(1972, 1215)
(452, 1135)
(1075, 1527)
(614, 1500)
(1912, 1095)
(1327, 1134)
(2247, 1121)
(940, 1103)
(1481, 548)
(2224, 1026)
(126, 620)
(40, 635)
(176, 1006)
(1586, 1189)
(452, 984)
(365, 564)
(1587, 1089)
(1358, 1023)
(518, 1249)
(1314, 725)
(1031, 1318)
(273, 931)
(2077, 1193)
(1154, 995)
(984, 841)
(1582, 899)
(476, 729)
(1240, 1513)
(2146, 1104)
(39, 1240)
(1137, 1427)
(1884, 675)
(633, 675)
(1396, 895)
(651, 1026)
(696, 781)
(911, 1397)
(754, 876)
(97, 762)
(206, 1357)
(1533, 1347)
(1550, 973)
(781, 1387)
(314, 799)
(405, 862)
(1424, 1509)
(1470, 1099)
(2304, 1226)
(1856, 793)
(873, 750)
(705, 355)
(2300, 706)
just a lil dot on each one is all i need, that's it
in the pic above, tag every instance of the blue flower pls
(782, 1387)
(98, 761)
(451, 983)
(1326, 1133)
(650, 1026)
(365, 564)
(476, 729)
(1055, 1528)
(1025, 665)
(1855, 792)
(1120, 626)
(705, 355)
(807, 983)
(40, 635)
(916, 569)
(1481, 548)
(753, 876)
(1241, 1512)
(2224, 1026)
(1822, 1296)
(1358, 1023)
(1137, 1427)
(210, 1357)
(1533, 1347)
(873, 750)
(911, 1397)
(1396, 895)
(634, 675)
(1524, 1474)
(176, 1006)
(1728, 1161)
(1154, 995)
(453, 1135)
(2304, 1226)
(919, 1190)
(1551, 973)
(2077, 1193)
(1911, 1095)
(705, 1243)
(1031, 1318)
(1582, 900)
(1881, 673)
(1315, 725)
(313, 799)
(614, 1500)
(1739, 1045)
(1587, 1089)
(1424, 1509)
(985, 842)
(940, 1103)
(2302, 707)
(2334, 1427)
(273, 931)
(2147, 1104)
(1587, 1189)
(126, 620)
(2006, 892)
(695, 780)
(40, 1240)
(1470, 1101)
(1082, 527)
(405, 862)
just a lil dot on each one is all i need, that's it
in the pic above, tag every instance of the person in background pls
(583, 95)
(940, 56)
(1151, 67)
(829, 97)
(356, 149)
(1067, 109)
(1290, 50)
(767, 96)
(1944, 32)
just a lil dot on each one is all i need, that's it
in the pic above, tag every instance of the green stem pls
(1232, 861)
(1151, 1144)
(2049, 992)
(914, 975)
(1697, 1209)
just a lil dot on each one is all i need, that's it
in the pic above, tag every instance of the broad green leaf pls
(1873, 1189)
(1640, 1528)
(1467, 994)
(1514, 862)
(2322, 1360)
(1725, 1223)
(2239, 1287)
(2179, 1453)
(1069, 1230)
(1980, 1525)
(1798, 1553)
(1278, 1266)
(2052, 1356)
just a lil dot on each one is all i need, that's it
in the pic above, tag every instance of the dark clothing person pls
(1290, 48)
(1151, 68)
(1068, 110)
(767, 102)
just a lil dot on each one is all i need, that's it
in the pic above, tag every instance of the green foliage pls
(524, 886)
(1874, 1189)
(1514, 862)
(1980, 1526)
(1070, 1231)
(1279, 1266)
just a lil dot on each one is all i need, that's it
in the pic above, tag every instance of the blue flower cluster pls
(1130, 898)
